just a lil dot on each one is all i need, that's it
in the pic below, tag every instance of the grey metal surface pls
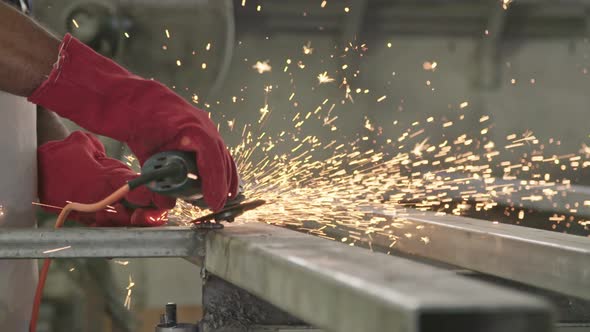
(570, 200)
(569, 196)
(227, 307)
(101, 242)
(572, 328)
(532, 18)
(182, 327)
(342, 288)
(549, 260)
(282, 329)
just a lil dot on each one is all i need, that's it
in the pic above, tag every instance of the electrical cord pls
(116, 196)
(95, 207)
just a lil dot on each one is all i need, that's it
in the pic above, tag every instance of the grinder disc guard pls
(228, 214)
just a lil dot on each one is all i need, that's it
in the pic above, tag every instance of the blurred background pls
(376, 66)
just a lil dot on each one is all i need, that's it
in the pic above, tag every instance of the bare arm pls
(27, 52)
(49, 127)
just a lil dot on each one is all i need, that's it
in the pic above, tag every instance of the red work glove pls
(78, 169)
(103, 97)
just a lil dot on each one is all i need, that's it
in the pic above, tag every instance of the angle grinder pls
(175, 174)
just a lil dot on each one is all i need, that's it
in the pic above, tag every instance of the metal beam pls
(327, 284)
(490, 56)
(352, 35)
(353, 23)
(565, 201)
(549, 260)
(568, 199)
(342, 288)
(101, 242)
(554, 261)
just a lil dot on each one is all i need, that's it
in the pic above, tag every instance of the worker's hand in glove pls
(77, 169)
(104, 98)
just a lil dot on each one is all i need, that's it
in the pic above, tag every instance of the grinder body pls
(184, 181)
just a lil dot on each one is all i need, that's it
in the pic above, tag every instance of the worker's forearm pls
(27, 52)
(49, 127)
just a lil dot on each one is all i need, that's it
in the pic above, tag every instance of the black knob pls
(170, 315)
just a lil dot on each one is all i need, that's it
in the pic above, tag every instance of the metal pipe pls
(101, 242)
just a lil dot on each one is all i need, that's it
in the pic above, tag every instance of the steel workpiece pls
(324, 283)
(101, 242)
(341, 288)
(555, 261)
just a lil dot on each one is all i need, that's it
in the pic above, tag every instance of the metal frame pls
(462, 18)
(569, 195)
(554, 261)
(325, 283)
(489, 55)
(342, 288)
(101, 242)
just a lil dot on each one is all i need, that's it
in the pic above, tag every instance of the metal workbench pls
(85, 242)
(554, 261)
(324, 283)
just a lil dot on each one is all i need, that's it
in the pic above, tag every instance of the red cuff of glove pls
(77, 169)
(103, 97)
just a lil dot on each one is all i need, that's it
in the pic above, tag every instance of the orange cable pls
(61, 219)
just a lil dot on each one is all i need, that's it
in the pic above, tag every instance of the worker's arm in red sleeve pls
(105, 98)
(99, 95)
(27, 52)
